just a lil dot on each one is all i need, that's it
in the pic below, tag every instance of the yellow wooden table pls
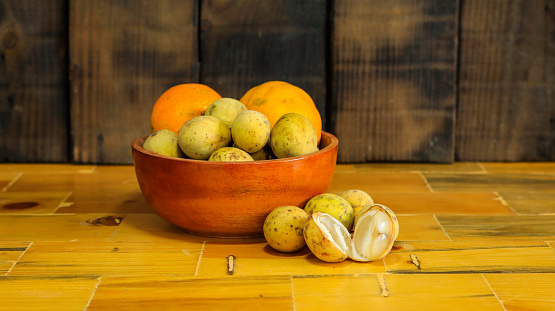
(476, 236)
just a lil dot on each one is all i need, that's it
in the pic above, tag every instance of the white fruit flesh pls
(335, 232)
(375, 231)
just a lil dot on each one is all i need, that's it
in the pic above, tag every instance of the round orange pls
(276, 98)
(179, 104)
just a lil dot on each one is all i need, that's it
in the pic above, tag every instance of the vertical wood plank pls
(245, 43)
(394, 72)
(507, 75)
(124, 55)
(550, 67)
(33, 81)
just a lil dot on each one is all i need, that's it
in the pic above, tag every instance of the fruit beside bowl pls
(230, 199)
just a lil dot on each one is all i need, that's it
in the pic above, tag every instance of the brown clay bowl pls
(230, 199)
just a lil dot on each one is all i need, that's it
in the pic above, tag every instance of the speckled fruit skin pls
(230, 154)
(334, 205)
(283, 228)
(263, 154)
(250, 131)
(164, 142)
(201, 136)
(357, 199)
(319, 245)
(292, 136)
(226, 109)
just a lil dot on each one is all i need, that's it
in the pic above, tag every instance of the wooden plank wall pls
(506, 108)
(394, 72)
(123, 56)
(34, 103)
(403, 80)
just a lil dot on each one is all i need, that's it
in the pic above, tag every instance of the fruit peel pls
(375, 232)
(319, 240)
(334, 205)
(283, 228)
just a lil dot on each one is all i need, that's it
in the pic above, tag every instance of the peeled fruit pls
(357, 199)
(371, 207)
(326, 237)
(201, 136)
(333, 205)
(230, 154)
(226, 109)
(293, 135)
(250, 131)
(283, 228)
(375, 233)
(163, 142)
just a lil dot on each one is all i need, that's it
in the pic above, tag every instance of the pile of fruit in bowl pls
(219, 166)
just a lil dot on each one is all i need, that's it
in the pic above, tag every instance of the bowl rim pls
(136, 145)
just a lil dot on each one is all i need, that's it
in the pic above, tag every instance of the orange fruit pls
(179, 104)
(276, 98)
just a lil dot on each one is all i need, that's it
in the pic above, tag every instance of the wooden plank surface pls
(463, 244)
(393, 80)
(165, 293)
(246, 43)
(395, 292)
(47, 293)
(34, 101)
(123, 56)
(507, 69)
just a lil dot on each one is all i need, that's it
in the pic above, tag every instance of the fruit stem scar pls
(415, 260)
(230, 264)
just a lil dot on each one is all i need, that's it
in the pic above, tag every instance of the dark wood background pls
(395, 80)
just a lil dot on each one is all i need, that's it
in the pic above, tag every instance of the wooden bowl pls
(230, 199)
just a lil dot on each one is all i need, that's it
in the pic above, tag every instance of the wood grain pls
(444, 203)
(521, 291)
(258, 259)
(34, 101)
(539, 228)
(465, 254)
(171, 293)
(110, 259)
(404, 182)
(79, 227)
(246, 43)
(514, 182)
(507, 69)
(394, 292)
(490, 256)
(10, 252)
(530, 203)
(123, 56)
(37, 202)
(47, 293)
(393, 89)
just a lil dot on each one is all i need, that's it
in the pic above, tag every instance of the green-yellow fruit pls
(326, 238)
(163, 142)
(263, 154)
(250, 131)
(334, 205)
(225, 109)
(357, 199)
(230, 154)
(201, 136)
(293, 135)
(283, 228)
